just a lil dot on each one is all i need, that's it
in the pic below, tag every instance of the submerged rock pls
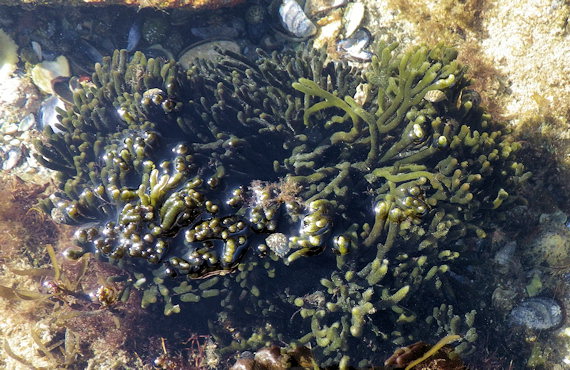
(538, 313)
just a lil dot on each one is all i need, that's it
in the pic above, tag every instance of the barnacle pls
(180, 174)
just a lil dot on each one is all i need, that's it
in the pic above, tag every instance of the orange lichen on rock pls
(158, 4)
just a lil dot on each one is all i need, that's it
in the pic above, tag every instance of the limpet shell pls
(27, 122)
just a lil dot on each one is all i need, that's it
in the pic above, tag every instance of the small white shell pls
(362, 93)
(434, 96)
(37, 48)
(294, 19)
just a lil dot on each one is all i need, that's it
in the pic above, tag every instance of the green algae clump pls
(247, 174)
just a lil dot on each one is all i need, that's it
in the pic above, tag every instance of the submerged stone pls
(538, 313)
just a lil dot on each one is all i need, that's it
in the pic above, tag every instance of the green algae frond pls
(178, 175)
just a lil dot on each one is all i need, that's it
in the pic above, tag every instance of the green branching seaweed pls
(221, 189)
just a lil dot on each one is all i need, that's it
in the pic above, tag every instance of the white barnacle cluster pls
(261, 193)
(278, 243)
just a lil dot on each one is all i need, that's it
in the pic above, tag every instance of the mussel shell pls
(353, 47)
(60, 86)
(27, 123)
(352, 18)
(360, 39)
(295, 21)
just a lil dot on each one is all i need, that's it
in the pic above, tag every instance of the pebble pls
(27, 122)
(12, 159)
(503, 298)
(10, 129)
(44, 72)
(330, 28)
(537, 313)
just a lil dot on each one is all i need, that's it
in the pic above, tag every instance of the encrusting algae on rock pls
(157, 4)
(385, 195)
